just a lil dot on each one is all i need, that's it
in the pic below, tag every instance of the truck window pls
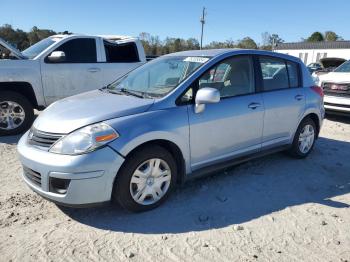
(121, 53)
(81, 50)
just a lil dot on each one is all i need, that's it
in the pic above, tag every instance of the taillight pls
(318, 90)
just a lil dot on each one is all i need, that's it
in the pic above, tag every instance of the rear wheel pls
(304, 139)
(16, 113)
(146, 179)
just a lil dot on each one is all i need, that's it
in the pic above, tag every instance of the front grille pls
(338, 105)
(32, 175)
(334, 89)
(42, 139)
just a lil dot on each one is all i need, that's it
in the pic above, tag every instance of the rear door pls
(78, 73)
(118, 59)
(283, 97)
(233, 126)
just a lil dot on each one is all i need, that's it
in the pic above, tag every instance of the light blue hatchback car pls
(174, 118)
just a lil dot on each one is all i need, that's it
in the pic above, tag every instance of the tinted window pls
(274, 73)
(118, 53)
(293, 73)
(79, 50)
(232, 77)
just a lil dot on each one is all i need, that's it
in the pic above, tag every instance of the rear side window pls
(121, 53)
(293, 74)
(81, 50)
(278, 73)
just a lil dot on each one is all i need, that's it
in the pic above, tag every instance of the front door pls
(233, 126)
(78, 73)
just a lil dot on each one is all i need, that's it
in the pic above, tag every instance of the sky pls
(225, 19)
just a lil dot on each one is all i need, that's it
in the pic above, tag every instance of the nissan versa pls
(176, 117)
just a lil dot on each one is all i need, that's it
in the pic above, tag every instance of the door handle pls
(94, 70)
(299, 97)
(254, 105)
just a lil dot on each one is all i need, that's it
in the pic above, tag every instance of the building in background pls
(312, 52)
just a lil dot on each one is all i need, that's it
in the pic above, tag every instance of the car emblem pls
(339, 87)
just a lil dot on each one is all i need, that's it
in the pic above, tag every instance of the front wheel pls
(16, 113)
(146, 179)
(304, 139)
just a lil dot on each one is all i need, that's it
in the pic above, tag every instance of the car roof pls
(203, 52)
(217, 52)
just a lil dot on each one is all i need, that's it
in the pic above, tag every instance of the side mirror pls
(206, 95)
(57, 56)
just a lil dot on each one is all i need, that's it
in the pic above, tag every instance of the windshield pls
(37, 48)
(160, 76)
(343, 68)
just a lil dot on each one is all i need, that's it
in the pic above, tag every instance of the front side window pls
(121, 53)
(81, 50)
(232, 77)
(158, 77)
(274, 73)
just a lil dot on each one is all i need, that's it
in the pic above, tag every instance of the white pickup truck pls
(57, 67)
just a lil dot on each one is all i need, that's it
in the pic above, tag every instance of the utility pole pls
(273, 44)
(202, 22)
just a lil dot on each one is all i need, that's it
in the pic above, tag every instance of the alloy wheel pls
(12, 115)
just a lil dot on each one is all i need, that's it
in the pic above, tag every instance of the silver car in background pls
(174, 118)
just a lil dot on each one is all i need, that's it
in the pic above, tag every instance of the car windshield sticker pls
(196, 59)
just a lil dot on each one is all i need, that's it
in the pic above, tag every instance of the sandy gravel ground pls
(271, 209)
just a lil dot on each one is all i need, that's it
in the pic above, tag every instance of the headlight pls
(85, 140)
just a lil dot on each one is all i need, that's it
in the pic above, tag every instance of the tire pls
(22, 108)
(140, 160)
(296, 150)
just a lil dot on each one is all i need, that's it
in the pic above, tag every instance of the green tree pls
(269, 40)
(227, 44)
(36, 34)
(315, 37)
(21, 39)
(17, 37)
(192, 44)
(331, 36)
(247, 43)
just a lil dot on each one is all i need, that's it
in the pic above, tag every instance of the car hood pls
(333, 62)
(335, 77)
(77, 111)
(15, 52)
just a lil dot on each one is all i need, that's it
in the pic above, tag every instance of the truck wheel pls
(16, 113)
(146, 179)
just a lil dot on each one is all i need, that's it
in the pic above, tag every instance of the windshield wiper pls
(124, 91)
(131, 92)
